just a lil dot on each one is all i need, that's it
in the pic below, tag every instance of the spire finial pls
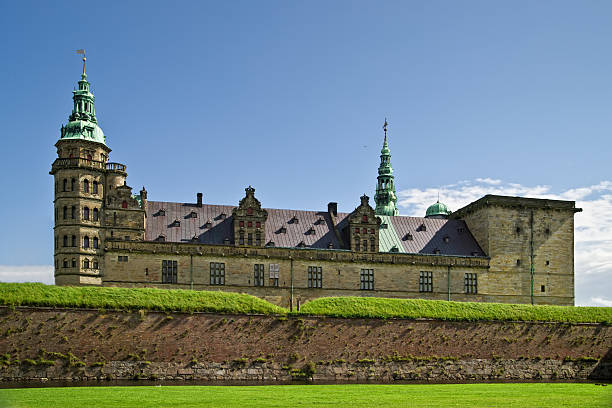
(82, 52)
(385, 128)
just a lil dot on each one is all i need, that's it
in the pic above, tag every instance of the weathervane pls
(385, 127)
(82, 52)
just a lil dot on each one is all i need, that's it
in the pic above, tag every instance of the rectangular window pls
(471, 283)
(217, 273)
(274, 271)
(367, 279)
(258, 278)
(169, 271)
(315, 277)
(425, 281)
(249, 239)
(121, 258)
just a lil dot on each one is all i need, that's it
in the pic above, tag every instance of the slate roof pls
(313, 228)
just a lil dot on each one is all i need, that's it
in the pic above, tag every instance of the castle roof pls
(212, 224)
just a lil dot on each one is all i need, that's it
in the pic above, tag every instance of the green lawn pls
(369, 396)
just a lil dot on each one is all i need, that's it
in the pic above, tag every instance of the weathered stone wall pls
(74, 345)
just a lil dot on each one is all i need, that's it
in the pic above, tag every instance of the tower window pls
(73, 263)
(542, 288)
(95, 264)
(65, 240)
(94, 187)
(65, 212)
(65, 185)
(74, 241)
(85, 263)
(86, 213)
(86, 242)
(96, 214)
(86, 186)
(95, 242)
(72, 185)
(65, 263)
(73, 212)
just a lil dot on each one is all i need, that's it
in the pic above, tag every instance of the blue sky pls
(290, 97)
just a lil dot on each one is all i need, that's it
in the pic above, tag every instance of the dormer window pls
(222, 216)
(383, 226)
(320, 221)
(364, 218)
(195, 238)
(460, 230)
(193, 214)
(294, 220)
(446, 239)
(208, 224)
(330, 245)
(474, 253)
(311, 231)
(436, 251)
(175, 223)
(282, 230)
(301, 244)
(270, 244)
(408, 237)
(394, 248)
(422, 228)
(161, 238)
(161, 212)
(249, 211)
(226, 241)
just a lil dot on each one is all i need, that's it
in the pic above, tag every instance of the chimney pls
(332, 209)
(199, 203)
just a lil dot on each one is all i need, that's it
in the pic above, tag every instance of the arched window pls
(72, 184)
(85, 241)
(73, 212)
(65, 212)
(74, 240)
(86, 186)
(65, 185)
(65, 240)
(95, 242)
(65, 264)
(94, 187)
(96, 215)
(86, 213)
(124, 204)
(86, 263)
(73, 263)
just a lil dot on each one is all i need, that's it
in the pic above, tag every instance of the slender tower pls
(385, 197)
(79, 172)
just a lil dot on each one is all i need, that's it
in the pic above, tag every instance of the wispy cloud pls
(593, 226)
(27, 273)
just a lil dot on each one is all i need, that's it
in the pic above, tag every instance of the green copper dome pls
(437, 210)
(82, 122)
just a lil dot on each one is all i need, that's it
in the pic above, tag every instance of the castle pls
(496, 249)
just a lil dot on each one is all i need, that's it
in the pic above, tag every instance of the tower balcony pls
(78, 162)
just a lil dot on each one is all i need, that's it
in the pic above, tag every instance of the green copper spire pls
(385, 197)
(82, 122)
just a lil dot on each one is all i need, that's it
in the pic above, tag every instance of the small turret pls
(437, 210)
(385, 196)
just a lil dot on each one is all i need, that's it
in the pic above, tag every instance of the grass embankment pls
(443, 310)
(38, 294)
(430, 395)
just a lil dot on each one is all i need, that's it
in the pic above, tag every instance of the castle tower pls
(385, 197)
(79, 175)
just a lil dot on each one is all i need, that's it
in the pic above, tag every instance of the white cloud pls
(27, 273)
(593, 226)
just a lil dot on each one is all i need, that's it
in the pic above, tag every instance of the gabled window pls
(311, 231)
(315, 277)
(222, 216)
(208, 224)
(86, 186)
(258, 278)
(94, 187)
(169, 271)
(330, 245)
(446, 239)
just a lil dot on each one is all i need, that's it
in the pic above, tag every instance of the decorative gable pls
(249, 220)
(363, 227)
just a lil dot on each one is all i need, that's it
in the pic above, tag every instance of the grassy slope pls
(438, 309)
(37, 294)
(430, 395)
